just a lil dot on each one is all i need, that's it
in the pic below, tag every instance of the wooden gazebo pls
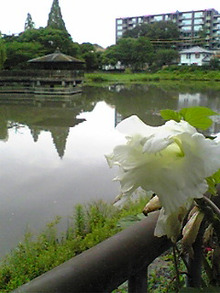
(57, 69)
(57, 61)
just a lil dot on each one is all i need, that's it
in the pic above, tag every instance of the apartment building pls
(190, 24)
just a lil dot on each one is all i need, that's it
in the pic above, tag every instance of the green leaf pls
(213, 181)
(216, 177)
(168, 114)
(198, 116)
(130, 220)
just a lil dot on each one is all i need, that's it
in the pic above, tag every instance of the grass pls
(172, 73)
(89, 225)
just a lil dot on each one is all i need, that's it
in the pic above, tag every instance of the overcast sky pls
(90, 20)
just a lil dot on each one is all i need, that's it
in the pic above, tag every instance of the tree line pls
(134, 50)
(150, 45)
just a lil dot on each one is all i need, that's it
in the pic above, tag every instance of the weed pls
(89, 225)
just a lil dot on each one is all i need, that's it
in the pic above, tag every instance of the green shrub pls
(89, 225)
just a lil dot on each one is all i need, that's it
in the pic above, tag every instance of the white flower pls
(171, 160)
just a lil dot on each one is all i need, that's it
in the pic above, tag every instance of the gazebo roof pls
(56, 57)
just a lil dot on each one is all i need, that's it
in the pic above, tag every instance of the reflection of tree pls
(43, 114)
(143, 100)
(58, 115)
(35, 133)
(3, 129)
(59, 135)
(146, 101)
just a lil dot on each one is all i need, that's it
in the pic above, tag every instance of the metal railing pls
(124, 256)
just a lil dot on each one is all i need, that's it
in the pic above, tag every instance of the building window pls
(197, 28)
(158, 18)
(198, 21)
(187, 15)
(188, 56)
(197, 55)
(119, 21)
(134, 20)
(187, 21)
(186, 28)
(198, 14)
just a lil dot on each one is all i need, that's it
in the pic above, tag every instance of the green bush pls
(89, 225)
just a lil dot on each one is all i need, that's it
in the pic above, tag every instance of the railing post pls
(138, 282)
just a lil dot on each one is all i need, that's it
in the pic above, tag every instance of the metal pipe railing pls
(124, 256)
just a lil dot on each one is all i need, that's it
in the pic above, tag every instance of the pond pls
(52, 149)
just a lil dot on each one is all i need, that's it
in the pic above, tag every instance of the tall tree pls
(55, 19)
(131, 52)
(29, 24)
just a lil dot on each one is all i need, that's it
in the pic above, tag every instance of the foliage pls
(166, 57)
(19, 53)
(55, 19)
(143, 51)
(160, 30)
(37, 42)
(133, 53)
(2, 52)
(125, 49)
(196, 116)
(29, 24)
(86, 47)
(91, 60)
(136, 48)
(110, 56)
(171, 73)
(51, 39)
(214, 63)
(89, 225)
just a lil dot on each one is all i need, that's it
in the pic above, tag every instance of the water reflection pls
(147, 100)
(35, 132)
(40, 114)
(202, 99)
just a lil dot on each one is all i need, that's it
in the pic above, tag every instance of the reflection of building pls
(118, 118)
(58, 127)
(199, 25)
(55, 117)
(191, 100)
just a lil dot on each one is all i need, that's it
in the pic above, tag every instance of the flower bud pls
(191, 229)
(153, 205)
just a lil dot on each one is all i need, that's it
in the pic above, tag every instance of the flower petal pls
(172, 160)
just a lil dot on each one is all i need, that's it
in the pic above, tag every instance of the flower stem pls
(212, 205)
(176, 269)
(212, 213)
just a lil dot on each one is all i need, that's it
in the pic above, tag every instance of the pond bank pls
(163, 75)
